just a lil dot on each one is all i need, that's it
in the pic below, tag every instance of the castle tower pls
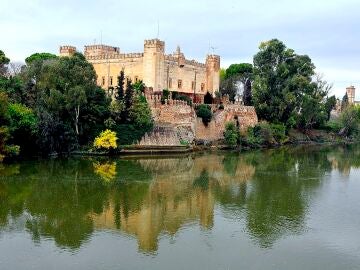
(67, 50)
(212, 73)
(154, 64)
(350, 91)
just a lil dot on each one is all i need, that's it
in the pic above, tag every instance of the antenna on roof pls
(213, 49)
(158, 29)
(100, 37)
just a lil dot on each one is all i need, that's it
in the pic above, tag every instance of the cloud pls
(328, 31)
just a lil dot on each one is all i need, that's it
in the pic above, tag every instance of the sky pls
(326, 30)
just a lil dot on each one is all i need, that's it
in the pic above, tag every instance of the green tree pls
(120, 87)
(231, 134)
(284, 89)
(23, 128)
(39, 57)
(204, 112)
(4, 61)
(235, 74)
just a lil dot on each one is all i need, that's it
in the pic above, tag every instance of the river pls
(286, 208)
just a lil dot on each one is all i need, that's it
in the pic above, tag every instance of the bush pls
(231, 134)
(266, 134)
(279, 132)
(204, 112)
(106, 140)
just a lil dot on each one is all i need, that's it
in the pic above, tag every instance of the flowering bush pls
(106, 140)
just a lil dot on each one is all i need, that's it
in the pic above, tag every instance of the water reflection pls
(67, 200)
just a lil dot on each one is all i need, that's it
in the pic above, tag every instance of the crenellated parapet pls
(67, 50)
(115, 56)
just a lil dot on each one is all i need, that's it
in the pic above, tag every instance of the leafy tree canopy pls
(39, 57)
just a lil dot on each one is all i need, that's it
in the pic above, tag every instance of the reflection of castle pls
(154, 67)
(172, 202)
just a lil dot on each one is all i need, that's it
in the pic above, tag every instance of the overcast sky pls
(327, 30)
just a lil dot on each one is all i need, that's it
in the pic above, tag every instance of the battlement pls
(213, 57)
(154, 44)
(175, 60)
(67, 50)
(155, 101)
(99, 50)
(115, 56)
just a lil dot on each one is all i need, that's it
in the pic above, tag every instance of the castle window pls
(103, 80)
(170, 83)
(111, 80)
(179, 84)
(202, 87)
(193, 85)
(136, 79)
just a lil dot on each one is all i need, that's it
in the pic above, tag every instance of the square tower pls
(154, 64)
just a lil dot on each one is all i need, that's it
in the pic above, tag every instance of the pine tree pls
(128, 99)
(344, 102)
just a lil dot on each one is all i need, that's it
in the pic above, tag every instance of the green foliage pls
(177, 96)
(6, 149)
(231, 134)
(184, 142)
(239, 70)
(344, 102)
(284, 90)
(39, 57)
(350, 122)
(119, 96)
(265, 134)
(165, 95)
(3, 63)
(23, 126)
(204, 112)
(234, 74)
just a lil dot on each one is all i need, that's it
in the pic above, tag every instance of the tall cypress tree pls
(129, 94)
(120, 87)
(247, 98)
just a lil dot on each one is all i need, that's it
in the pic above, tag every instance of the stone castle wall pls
(175, 121)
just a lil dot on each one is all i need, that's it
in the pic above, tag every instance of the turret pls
(350, 91)
(67, 50)
(212, 73)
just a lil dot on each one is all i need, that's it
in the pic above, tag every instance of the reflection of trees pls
(67, 199)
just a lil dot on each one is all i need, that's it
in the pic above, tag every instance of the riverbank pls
(295, 137)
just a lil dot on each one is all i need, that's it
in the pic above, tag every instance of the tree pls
(6, 149)
(39, 57)
(344, 102)
(285, 89)
(330, 104)
(75, 98)
(204, 112)
(231, 134)
(120, 87)
(208, 99)
(71, 108)
(23, 127)
(106, 140)
(3, 63)
(235, 74)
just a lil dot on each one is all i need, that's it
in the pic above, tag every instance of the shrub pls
(279, 132)
(266, 134)
(350, 122)
(204, 112)
(106, 140)
(231, 134)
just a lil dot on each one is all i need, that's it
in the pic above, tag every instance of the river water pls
(287, 208)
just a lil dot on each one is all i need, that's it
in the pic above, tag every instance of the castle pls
(154, 67)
